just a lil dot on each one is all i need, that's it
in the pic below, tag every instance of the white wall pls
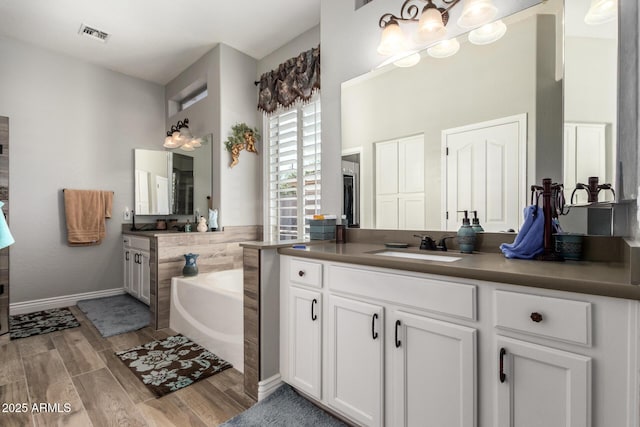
(232, 98)
(72, 125)
(241, 186)
(302, 43)
(591, 80)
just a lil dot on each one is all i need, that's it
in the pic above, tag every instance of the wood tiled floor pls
(78, 367)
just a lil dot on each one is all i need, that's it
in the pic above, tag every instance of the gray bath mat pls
(284, 408)
(41, 322)
(116, 315)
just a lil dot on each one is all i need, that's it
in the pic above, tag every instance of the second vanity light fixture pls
(431, 28)
(180, 137)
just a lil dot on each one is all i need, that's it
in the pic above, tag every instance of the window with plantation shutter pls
(294, 171)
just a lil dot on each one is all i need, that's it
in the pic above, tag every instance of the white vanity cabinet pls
(433, 369)
(305, 345)
(137, 270)
(385, 361)
(542, 386)
(355, 359)
(399, 348)
(303, 323)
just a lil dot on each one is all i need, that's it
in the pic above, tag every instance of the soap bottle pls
(475, 223)
(466, 235)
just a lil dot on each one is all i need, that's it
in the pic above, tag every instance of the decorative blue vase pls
(190, 267)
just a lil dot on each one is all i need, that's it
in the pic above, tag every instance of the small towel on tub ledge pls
(85, 212)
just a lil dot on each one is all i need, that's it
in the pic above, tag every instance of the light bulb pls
(392, 40)
(488, 33)
(476, 13)
(601, 11)
(169, 142)
(430, 26)
(444, 49)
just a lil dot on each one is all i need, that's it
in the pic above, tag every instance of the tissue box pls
(322, 229)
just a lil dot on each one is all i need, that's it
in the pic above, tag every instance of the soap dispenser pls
(475, 223)
(466, 235)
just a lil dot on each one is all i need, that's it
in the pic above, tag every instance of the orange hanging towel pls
(85, 212)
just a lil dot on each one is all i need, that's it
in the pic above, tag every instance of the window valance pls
(295, 79)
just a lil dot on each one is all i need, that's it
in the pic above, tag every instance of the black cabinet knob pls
(536, 317)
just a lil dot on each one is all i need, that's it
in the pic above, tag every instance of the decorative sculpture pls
(242, 138)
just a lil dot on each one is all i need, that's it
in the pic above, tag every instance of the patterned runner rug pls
(168, 365)
(41, 322)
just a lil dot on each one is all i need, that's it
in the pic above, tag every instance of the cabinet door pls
(386, 167)
(145, 277)
(355, 359)
(433, 372)
(541, 386)
(411, 164)
(411, 212)
(387, 212)
(305, 335)
(128, 268)
(136, 276)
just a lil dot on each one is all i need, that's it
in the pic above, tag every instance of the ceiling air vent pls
(93, 33)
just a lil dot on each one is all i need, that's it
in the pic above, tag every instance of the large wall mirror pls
(474, 130)
(173, 182)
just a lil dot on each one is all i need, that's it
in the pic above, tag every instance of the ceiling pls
(155, 40)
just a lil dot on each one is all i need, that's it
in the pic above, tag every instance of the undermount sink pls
(426, 257)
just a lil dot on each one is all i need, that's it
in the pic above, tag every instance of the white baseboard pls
(61, 301)
(268, 386)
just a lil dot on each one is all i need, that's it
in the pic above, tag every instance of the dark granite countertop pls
(597, 278)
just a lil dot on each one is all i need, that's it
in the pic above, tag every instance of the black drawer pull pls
(374, 334)
(314, 317)
(502, 376)
(300, 273)
(398, 343)
(126, 256)
(536, 317)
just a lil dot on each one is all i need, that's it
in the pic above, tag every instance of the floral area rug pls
(41, 322)
(171, 364)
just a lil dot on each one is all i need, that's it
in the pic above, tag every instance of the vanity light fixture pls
(601, 11)
(180, 137)
(488, 33)
(431, 23)
(444, 49)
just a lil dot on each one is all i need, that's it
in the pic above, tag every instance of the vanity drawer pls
(141, 243)
(305, 273)
(424, 293)
(547, 317)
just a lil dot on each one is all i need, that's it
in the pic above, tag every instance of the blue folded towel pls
(530, 240)
(6, 238)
